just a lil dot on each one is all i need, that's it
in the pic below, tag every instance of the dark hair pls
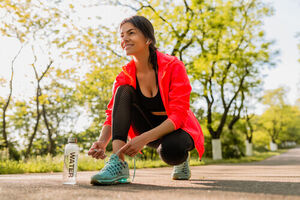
(145, 26)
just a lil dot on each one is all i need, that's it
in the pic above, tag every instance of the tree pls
(249, 129)
(292, 130)
(222, 44)
(278, 116)
(54, 32)
(5, 106)
(60, 108)
(37, 101)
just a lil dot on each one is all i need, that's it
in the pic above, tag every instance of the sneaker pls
(182, 171)
(115, 171)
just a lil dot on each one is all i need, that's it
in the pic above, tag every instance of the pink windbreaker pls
(175, 89)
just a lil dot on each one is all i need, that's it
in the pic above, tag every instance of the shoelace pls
(109, 165)
(117, 153)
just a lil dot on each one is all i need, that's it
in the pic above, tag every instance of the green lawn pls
(86, 163)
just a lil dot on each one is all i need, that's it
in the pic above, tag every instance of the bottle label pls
(72, 164)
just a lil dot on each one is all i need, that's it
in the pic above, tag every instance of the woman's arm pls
(105, 135)
(137, 143)
(158, 132)
(99, 147)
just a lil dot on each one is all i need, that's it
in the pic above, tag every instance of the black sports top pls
(152, 104)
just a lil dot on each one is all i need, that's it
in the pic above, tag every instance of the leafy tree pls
(60, 108)
(95, 92)
(31, 23)
(222, 44)
(22, 119)
(37, 101)
(249, 126)
(5, 105)
(52, 29)
(280, 120)
(292, 131)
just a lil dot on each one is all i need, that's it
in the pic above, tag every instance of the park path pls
(275, 178)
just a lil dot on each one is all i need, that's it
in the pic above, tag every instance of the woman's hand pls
(98, 150)
(134, 146)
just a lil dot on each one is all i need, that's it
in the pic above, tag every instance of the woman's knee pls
(175, 146)
(172, 152)
(124, 92)
(125, 89)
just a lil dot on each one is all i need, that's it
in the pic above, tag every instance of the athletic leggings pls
(172, 148)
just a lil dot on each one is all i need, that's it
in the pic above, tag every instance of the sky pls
(281, 27)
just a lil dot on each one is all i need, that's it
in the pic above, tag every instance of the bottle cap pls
(72, 140)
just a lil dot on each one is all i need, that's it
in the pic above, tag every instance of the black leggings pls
(172, 148)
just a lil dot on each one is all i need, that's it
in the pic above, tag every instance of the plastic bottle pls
(70, 161)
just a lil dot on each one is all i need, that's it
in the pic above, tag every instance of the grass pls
(85, 163)
(258, 156)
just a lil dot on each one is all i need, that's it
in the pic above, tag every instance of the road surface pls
(275, 178)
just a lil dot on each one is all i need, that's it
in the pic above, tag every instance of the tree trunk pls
(38, 94)
(249, 148)
(216, 149)
(4, 132)
(36, 123)
(51, 146)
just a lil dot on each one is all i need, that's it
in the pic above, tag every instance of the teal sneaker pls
(115, 171)
(182, 171)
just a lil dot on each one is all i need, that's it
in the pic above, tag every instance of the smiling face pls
(132, 39)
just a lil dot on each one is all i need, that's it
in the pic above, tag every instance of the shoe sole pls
(180, 178)
(110, 182)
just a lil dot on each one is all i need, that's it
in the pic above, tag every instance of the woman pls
(150, 104)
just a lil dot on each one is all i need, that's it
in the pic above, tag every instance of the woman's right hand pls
(98, 150)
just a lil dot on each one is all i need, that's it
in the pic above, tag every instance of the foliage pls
(280, 120)
(98, 81)
(55, 30)
(233, 144)
(37, 164)
(261, 140)
(222, 44)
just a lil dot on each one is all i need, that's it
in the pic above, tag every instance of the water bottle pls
(70, 161)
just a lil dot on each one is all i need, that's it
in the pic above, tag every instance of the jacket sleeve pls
(108, 111)
(179, 95)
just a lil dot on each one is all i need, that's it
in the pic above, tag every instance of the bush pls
(233, 145)
(207, 146)
(261, 141)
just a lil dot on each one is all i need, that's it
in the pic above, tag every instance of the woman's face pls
(132, 39)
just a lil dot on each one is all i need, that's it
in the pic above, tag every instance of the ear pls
(148, 41)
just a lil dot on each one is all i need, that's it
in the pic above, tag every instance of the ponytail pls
(153, 59)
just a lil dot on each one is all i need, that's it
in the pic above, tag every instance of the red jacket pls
(175, 90)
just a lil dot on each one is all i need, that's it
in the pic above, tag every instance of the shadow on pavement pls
(256, 187)
(264, 187)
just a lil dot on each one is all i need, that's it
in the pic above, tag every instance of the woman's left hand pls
(134, 146)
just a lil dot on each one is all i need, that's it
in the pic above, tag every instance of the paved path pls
(275, 178)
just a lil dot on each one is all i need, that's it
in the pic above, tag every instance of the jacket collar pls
(163, 61)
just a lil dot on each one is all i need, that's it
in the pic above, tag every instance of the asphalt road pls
(275, 178)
